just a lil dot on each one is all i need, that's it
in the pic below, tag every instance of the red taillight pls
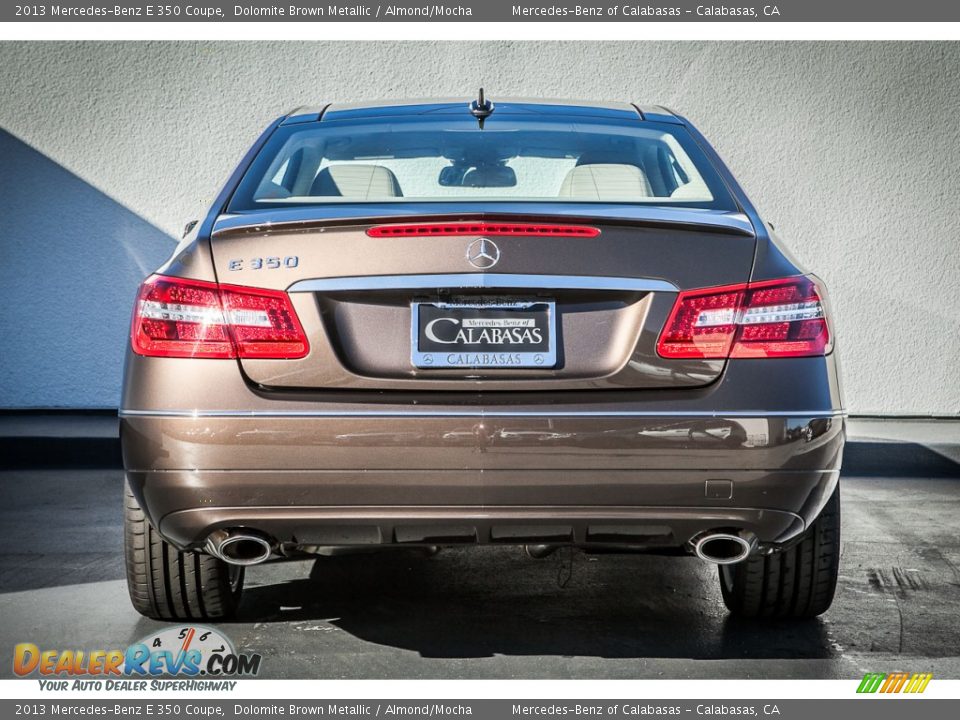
(175, 317)
(702, 323)
(482, 228)
(772, 318)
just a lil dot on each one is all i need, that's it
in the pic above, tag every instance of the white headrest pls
(606, 181)
(351, 180)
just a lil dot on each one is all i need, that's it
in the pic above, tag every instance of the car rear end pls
(565, 326)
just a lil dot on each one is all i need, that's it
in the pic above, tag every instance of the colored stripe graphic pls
(871, 682)
(898, 682)
(889, 682)
(919, 682)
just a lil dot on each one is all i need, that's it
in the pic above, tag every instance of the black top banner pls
(484, 11)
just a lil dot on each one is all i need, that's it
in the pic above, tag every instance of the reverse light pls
(176, 317)
(482, 228)
(770, 318)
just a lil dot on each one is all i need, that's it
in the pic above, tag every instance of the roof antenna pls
(481, 109)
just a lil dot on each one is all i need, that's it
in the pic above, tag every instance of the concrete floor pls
(493, 612)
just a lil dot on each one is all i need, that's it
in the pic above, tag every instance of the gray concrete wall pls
(851, 149)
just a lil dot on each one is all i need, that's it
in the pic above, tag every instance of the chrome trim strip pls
(477, 413)
(482, 280)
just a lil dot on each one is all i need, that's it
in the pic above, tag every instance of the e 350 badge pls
(189, 651)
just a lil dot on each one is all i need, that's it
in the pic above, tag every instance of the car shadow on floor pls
(471, 603)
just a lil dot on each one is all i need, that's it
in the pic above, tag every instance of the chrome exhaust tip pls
(239, 547)
(538, 552)
(725, 548)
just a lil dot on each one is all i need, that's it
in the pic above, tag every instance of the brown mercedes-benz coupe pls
(540, 323)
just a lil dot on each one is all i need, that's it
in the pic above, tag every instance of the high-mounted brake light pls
(175, 317)
(482, 228)
(771, 318)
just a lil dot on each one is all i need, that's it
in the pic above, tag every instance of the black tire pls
(798, 582)
(166, 584)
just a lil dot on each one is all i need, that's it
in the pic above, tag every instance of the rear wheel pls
(798, 582)
(167, 584)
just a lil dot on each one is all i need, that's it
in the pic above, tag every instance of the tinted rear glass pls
(524, 158)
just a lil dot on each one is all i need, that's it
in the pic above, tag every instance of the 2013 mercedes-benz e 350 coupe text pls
(533, 322)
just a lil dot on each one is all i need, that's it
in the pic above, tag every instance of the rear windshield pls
(512, 158)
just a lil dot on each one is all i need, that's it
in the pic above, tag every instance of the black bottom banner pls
(875, 708)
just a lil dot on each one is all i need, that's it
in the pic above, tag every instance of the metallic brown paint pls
(462, 463)
(362, 340)
(353, 445)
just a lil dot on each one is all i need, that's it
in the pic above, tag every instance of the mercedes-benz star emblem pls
(483, 253)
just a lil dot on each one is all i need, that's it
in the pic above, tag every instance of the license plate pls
(518, 334)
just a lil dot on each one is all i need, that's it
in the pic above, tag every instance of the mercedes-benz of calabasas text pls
(428, 323)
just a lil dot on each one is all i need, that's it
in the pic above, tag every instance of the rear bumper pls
(648, 468)
(370, 480)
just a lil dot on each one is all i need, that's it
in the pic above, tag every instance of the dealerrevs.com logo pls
(191, 652)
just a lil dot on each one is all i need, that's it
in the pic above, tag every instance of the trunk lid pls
(365, 302)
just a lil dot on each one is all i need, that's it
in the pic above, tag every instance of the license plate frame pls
(461, 356)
